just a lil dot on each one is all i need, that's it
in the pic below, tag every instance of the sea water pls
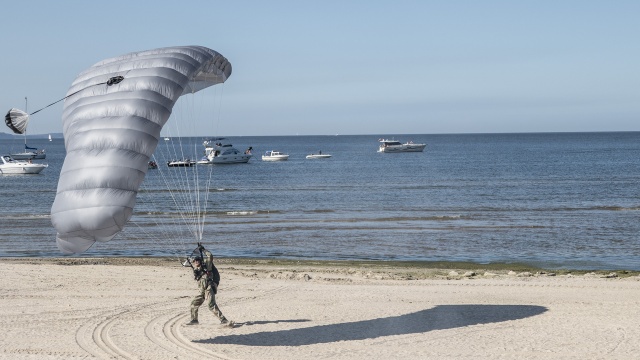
(554, 200)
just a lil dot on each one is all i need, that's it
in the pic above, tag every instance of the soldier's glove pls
(197, 274)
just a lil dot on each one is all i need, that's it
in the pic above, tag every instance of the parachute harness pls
(204, 269)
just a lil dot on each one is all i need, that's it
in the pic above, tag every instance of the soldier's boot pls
(194, 316)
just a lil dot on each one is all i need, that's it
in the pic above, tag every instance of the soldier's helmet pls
(195, 254)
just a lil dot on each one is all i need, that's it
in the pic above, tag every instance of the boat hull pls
(181, 163)
(318, 156)
(223, 159)
(275, 158)
(403, 148)
(28, 155)
(22, 169)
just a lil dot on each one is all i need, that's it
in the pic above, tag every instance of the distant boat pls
(319, 155)
(181, 163)
(167, 139)
(393, 146)
(272, 155)
(49, 137)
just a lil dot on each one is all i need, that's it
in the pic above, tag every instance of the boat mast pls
(26, 109)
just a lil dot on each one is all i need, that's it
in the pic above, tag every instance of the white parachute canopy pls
(112, 118)
(17, 120)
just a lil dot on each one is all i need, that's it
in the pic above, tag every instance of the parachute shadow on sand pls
(440, 317)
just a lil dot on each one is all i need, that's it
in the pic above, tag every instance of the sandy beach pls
(137, 308)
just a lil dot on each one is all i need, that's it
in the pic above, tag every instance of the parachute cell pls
(111, 129)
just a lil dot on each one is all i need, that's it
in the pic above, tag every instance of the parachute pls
(17, 120)
(112, 118)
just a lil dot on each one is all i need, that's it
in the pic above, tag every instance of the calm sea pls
(555, 200)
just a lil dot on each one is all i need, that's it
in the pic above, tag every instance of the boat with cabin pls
(272, 155)
(394, 146)
(220, 151)
(13, 166)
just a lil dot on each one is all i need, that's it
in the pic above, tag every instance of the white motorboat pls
(272, 155)
(220, 151)
(319, 155)
(181, 163)
(12, 166)
(393, 146)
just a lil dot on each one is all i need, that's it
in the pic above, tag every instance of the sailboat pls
(49, 137)
(29, 152)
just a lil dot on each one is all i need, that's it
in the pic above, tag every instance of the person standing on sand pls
(208, 279)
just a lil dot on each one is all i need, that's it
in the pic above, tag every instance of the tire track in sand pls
(94, 335)
(165, 331)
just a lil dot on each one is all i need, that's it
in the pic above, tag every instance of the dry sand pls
(136, 309)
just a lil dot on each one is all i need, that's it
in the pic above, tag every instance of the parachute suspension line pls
(170, 180)
(195, 198)
(188, 188)
(203, 206)
(173, 249)
(216, 120)
(179, 184)
(206, 200)
(176, 183)
(165, 238)
(191, 180)
(112, 81)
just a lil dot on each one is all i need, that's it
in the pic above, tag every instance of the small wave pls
(156, 213)
(595, 208)
(241, 213)
(422, 218)
(27, 216)
(615, 208)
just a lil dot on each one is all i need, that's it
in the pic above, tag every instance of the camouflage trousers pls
(199, 300)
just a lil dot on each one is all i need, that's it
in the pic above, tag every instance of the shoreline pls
(407, 270)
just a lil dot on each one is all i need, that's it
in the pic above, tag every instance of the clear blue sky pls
(354, 67)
